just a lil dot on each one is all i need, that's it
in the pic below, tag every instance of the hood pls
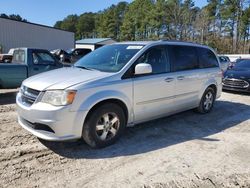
(63, 78)
(237, 73)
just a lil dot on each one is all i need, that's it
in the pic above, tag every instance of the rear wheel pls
(104, 125)
(207, 101)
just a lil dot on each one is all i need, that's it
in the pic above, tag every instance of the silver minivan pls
(119, 85)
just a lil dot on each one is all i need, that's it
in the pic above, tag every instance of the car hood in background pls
(237, 73)
(63, 78)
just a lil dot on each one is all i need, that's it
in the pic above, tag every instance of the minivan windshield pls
(110, 58)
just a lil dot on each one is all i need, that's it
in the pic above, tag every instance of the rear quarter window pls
(18, 56)
(207, 58)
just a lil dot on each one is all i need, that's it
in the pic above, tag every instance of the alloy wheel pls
(209, 99)
(107, 126)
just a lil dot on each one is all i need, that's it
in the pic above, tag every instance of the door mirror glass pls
(143, 68)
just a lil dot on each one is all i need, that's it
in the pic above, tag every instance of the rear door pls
(210, 66)
(154, 93)
(189, 78)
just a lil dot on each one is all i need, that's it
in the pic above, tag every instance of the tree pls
(86, 25)
(16, 17)
(221, 24)
(109, 21)
(69, 23)
(158, 19)
(137, 20)
(106, 25)
(58, 24)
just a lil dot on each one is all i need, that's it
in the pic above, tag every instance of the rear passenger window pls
(183, 58)
(207, 59)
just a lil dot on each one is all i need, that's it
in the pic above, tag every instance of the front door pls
(42, 61)
(154, 93)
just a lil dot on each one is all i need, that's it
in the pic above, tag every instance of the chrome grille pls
(236, 83)
(29, 95)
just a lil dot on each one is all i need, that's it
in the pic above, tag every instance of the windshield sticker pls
(134, 47)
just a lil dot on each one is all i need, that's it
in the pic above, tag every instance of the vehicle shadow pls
(161, 133)
(8, 98)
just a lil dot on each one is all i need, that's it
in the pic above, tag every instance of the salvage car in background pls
(61, 55)
(78, 53)
(224, 62)
(237, 78)
(26, 62)
(7, 58)
(71, 55)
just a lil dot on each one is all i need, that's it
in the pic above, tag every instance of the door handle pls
(169, 79)
(181, 77)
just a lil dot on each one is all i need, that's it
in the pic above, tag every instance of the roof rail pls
(171, 40)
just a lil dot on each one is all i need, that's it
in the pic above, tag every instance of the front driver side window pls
(35, 59)
(42, 58)
(156, 57)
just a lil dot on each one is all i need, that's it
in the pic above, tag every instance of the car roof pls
(172, 42)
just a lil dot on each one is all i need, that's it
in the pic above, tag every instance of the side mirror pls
(143, 68)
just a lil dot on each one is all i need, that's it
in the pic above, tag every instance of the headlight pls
(58, 97)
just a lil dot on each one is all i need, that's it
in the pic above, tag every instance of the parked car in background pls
(71, 55)
(26, 62)
(238, 77)
(78, 53)
(62, 55)
(118, 85)
(224, 62)
(7, 58)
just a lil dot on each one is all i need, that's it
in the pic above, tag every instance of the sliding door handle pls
(169, 79)
(180, 77)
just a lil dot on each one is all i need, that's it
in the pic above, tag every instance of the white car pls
(119, 85)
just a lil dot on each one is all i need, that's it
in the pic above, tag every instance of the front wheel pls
(207, 101)
(104, 125)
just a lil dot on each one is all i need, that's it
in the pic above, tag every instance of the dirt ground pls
(184, 150)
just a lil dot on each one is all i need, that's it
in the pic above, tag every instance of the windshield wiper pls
(86, 68)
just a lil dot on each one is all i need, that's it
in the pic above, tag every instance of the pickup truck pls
(26, 62)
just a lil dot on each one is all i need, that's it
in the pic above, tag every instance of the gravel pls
(184, 150)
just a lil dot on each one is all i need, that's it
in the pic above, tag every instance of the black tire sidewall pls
(202, 107)
(89, 128)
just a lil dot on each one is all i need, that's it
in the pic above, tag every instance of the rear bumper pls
(62, 123)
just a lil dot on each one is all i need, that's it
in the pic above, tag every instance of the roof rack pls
(171, 40)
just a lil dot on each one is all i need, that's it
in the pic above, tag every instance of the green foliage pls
(222, 24)
(138, 20)
(69, 23)
(16, 17)
(86, 25)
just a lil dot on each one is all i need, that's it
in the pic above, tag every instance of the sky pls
(47, 12)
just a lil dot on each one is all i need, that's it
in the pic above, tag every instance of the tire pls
(104, 125)
(207, 101)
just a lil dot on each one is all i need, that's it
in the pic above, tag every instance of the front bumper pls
(63, 124)
(236, 89)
